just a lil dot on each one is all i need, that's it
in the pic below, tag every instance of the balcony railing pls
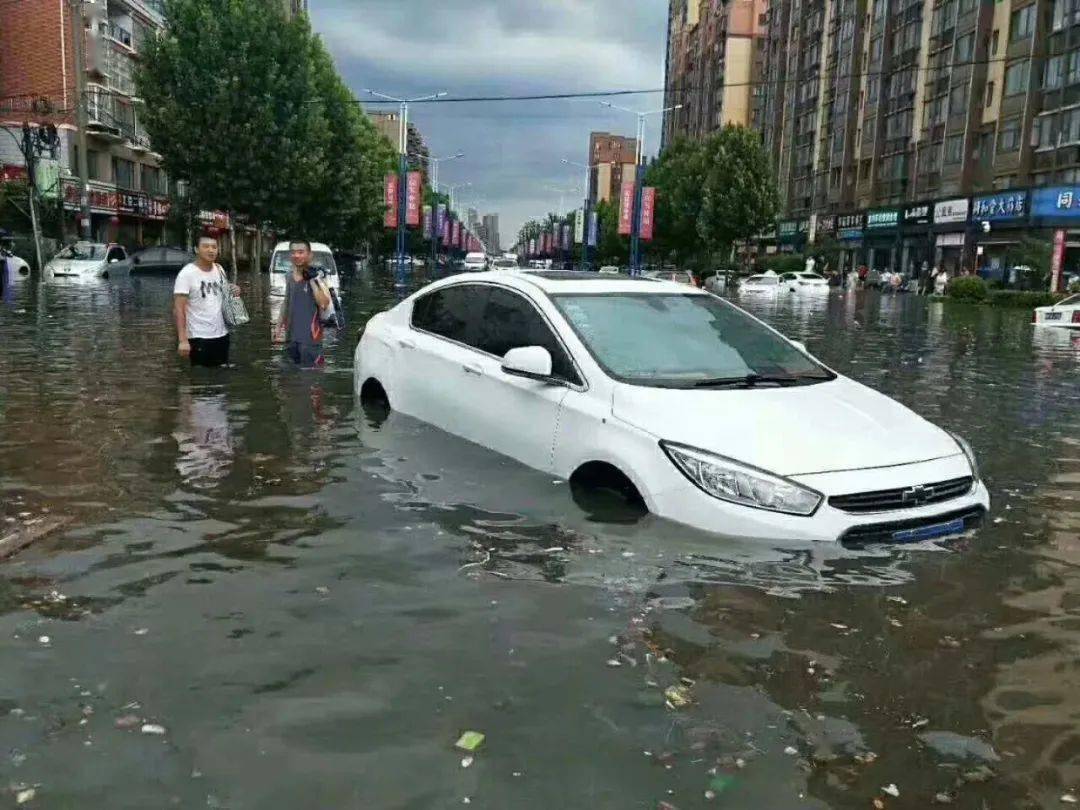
(121, 35)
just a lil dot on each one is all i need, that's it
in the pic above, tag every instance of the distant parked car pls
(152, 260)
(677, 276)
(85, 260)
(767, 284)
(475, 262)
(804, 282)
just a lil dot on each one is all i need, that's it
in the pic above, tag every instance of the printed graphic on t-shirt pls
(209, 288)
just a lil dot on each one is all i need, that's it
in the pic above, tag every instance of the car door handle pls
(405, 343)
(472, 369)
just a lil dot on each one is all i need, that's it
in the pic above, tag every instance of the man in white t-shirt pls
(197, 298)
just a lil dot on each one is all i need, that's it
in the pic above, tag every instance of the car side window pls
(510, 321)
(117, 254)
(452, 312)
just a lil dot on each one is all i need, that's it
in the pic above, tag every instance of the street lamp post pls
(635, 222)
(588, 169)
(403, 170)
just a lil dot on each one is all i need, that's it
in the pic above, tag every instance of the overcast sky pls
(505, 47)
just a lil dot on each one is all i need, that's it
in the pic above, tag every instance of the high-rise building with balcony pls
(713, 65)
(914, 132)
(128, 190)
(613, 158)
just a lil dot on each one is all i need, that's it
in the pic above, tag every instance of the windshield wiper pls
(748, 381)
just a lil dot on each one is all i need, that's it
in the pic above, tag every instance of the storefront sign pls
(158, 208)
(850, 226)
(1057, 258)
(951, 211)
(579, 226)
(950, 240)
(1058, 201)
(130, 203)
(917, 215)
(884, 220)
(826, 225)
(1009, 205)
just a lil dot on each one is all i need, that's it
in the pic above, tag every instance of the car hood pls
(828, 427)
(75, 265)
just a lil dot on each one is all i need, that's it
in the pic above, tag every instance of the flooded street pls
(313, 601)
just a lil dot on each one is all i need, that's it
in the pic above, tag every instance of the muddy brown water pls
(315, 600)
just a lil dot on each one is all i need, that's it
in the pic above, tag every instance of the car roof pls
(555, 282)
(314, 246)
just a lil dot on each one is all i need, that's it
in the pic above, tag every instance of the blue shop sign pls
(1057, 201)
(1006, 206)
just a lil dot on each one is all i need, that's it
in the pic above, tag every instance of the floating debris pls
(25, 795)
(44, 639)
(678, 697)
(127, 721)
(944, 798)
(466, 762)
(791, 750)
(153, 728)
(891, 790)
(470, 741)
(1069, 798)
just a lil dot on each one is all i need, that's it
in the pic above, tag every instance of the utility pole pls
(78, 36)
(29, 149)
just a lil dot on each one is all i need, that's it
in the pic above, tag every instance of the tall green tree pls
(612, 248)
(677, 176)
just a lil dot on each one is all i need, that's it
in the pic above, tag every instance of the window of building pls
(994, 39)
(1052, 72)
(1072, 67)
(1066, 12)
(98, 166)
(153, 180)
(1022, 23)
(965, 48)
(967, 5)
(958, 100)
(1016, 78)
(1045, 131)
(954, 148)
(124, 173)
(989, 93)
(1070, 126)
(1009, 136)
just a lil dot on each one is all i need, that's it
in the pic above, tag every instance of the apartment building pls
(714, 64)
(128, 190)
(923, 132)
(614, 158)
(491, 228)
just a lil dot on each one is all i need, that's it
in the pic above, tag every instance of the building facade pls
(129, 195)
(491, 227)
(613, 158)
(714, 63)
(389, 126)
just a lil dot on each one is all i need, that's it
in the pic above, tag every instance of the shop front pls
(881, 239)
(950, 226)
(917, 240)
(791, 235)
(1055, 217)
(998, 222)
(849, 232)
(130, 218)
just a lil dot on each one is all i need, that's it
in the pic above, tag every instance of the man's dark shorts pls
(305, 355)
(209, 352)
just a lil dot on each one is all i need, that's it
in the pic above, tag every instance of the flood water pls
(314, 601)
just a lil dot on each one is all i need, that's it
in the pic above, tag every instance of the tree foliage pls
(244, 104)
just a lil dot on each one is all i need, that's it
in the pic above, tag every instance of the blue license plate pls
(928, 532)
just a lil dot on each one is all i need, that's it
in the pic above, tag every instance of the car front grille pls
(888, 500)
(886, 532)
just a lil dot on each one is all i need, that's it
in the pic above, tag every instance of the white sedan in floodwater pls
(1065, 314)
(678, 399)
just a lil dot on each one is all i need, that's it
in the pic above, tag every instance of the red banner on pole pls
(457, 235)
(648, 212)
(626, 209)
(390, 197)
(448, 228)
(1057, 258)
(412, 200)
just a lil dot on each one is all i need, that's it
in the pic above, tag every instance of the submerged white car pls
(84, 260)
(1064, 314)
(804, 282)
(321, 257)
(672, 396)
(767, 283)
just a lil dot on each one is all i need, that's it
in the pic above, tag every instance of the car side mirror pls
(531, 362)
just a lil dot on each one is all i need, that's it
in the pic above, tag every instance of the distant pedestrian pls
(198, 295)
(305, 296)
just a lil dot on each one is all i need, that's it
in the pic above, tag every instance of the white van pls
(321, 257)
(475, 262)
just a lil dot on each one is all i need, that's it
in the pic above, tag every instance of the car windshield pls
(321, 259)
(675, 340)
(83, 252)
(1072, 300)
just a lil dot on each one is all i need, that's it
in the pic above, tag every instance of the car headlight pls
(740, 484)
(969, 454)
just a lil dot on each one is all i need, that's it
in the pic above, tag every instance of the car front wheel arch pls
(601, 488)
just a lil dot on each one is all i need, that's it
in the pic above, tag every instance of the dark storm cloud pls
(504, 47)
